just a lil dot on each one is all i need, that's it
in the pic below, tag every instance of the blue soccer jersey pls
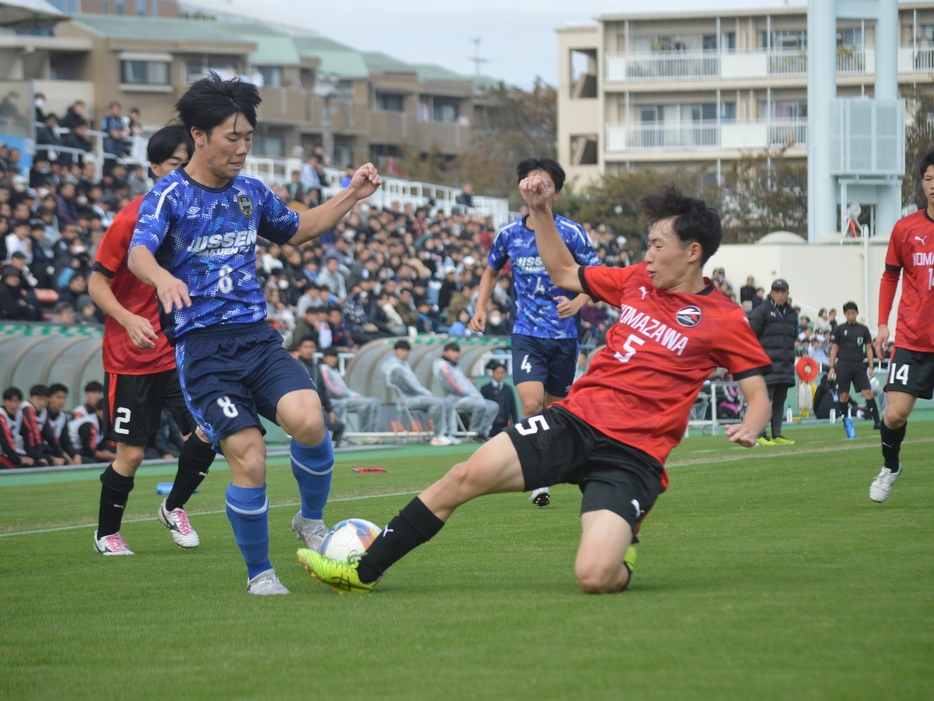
(536, 308)
(207, 238)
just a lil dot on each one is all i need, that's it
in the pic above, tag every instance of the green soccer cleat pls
(340, 575)
(629, 559)
(764, 441)
(781, 440)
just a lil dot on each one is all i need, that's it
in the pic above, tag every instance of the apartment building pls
(701, 88)
(316, 91)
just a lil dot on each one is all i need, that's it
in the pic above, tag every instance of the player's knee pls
(600, 578)
(308, 429)
(530, 407)
(129, 457)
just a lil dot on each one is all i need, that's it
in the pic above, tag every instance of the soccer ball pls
(348, 538)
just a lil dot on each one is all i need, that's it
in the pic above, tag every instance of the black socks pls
(193, 465)
(414, 525)
(892, 444)
(115, 491)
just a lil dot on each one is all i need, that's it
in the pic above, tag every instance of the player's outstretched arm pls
(556, 257)
(487, 283)
(758, 412)
(320, 220)
(172, 292)
(140, 330)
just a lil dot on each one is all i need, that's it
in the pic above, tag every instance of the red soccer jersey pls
(640, 388)
(911, 253)
(121, 356)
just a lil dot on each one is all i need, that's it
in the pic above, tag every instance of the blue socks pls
(312, 467)
(248, 511)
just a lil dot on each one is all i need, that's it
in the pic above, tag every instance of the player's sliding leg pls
(892, 433)
(312, 455)
(493, 469)
(116, 485)
(193, 465)
(605, 559)
(248, 508)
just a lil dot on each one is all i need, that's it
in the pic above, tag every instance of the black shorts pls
(557, 447)
(911, 372)
(133, 406)
(849, 372)
(551, 361)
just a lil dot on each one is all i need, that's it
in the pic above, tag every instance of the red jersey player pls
(612, 434)
(141, 377)
(911, 367)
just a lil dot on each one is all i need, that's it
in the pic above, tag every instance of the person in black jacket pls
(775, 322)
(501, 393)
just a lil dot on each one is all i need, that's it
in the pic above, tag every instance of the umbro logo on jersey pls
(689, 316)
(922, 239)
(193, 212)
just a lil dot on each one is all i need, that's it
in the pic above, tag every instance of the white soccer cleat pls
(441, 440)
(266, 584)
(541, 497)
(310, 531)
(111, 545)
(882, 484)
(177, 522)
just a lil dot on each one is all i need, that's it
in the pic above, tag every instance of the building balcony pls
(713, 65)
(706, 135)
(449, 137)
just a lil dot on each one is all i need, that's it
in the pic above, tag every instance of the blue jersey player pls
(194, 242)
(544, 336)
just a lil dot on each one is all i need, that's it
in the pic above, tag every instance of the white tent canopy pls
(21, 14)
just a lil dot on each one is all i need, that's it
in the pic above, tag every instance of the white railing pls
(701, 135)
(699, 65)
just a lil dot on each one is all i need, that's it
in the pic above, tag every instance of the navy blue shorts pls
(551, 361)
(233, 374)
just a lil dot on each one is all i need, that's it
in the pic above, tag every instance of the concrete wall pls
(819, 275)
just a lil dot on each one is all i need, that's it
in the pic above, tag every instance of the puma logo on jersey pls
(639, 512)
(922, 239)
(644, 291)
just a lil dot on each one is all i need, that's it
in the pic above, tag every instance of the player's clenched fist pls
(537, 192)
(365, 181)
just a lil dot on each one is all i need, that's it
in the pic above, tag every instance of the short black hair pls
(12, 393)
(211, 101)
(38, 391)
(402, 344)
(549, 165)
(310, 338)
(926, 163)
(850, 305)
(56, 387)
(330, 351)
(94, 386)
(163, 143)
(693, 219)
(453, 345)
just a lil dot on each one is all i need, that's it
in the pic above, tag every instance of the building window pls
(786, 41)
(850, 38)
(120, 6)
(199, 68)
(390, 102)
(445, 110)
(268, 146)
(145, 72)
(141, 7)
(270, 76)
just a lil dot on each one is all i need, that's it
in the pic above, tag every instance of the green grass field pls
(762, 574)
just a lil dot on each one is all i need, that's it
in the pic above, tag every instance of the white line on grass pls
(683, 463)
(204, 513)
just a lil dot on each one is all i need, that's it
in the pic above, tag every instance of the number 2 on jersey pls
(628, 347)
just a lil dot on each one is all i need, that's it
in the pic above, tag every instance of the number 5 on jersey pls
(536, 423)
(629, 348)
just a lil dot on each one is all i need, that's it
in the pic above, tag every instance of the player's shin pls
(891, 445)
(414, 525)
(248, 511)
(193, 465)
(313, 467)
(115, 492)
